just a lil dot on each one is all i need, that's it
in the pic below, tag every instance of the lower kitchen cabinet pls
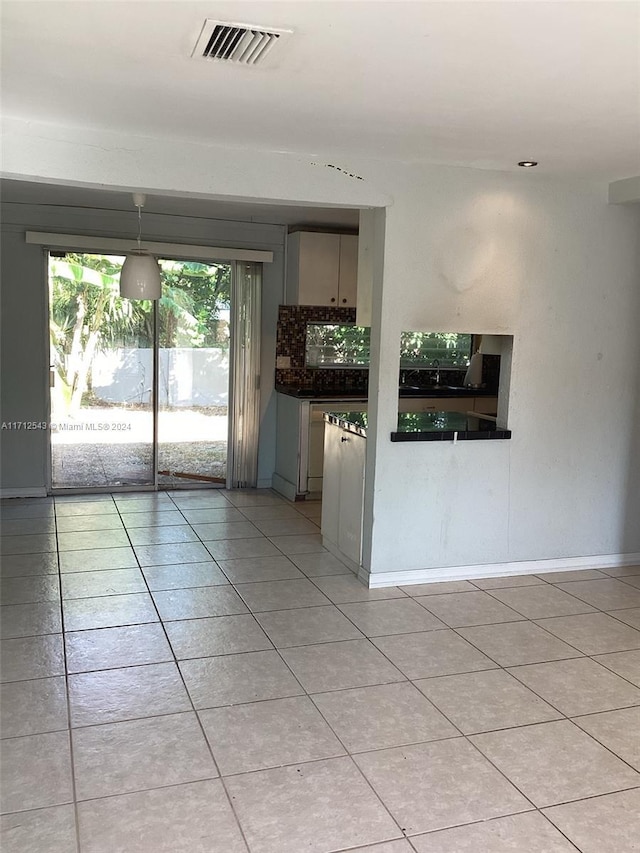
(343, 492)
(300, 443)
(301, 431)
(485, 405)
(429, 404)
(286, 477)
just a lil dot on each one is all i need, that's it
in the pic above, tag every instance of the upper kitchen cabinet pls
(348, 272)
(322, 269)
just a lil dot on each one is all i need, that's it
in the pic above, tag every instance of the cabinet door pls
(288, 438)
(457, 404)
(435, 404)
(418, 404)
(318, 268)
(316, 444)
(353, 450)
(486, 405)
(348, 273)
(331, 482)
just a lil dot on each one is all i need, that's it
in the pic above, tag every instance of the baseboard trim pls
(36, 492)
(333, 549)
(284, 487)
(497, 570)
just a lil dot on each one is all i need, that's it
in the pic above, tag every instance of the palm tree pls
(87, 312)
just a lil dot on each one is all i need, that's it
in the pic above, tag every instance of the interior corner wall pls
(24, 317)
(24, 360)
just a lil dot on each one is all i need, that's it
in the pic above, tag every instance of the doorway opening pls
(140, 390)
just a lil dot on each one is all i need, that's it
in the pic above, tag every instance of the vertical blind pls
(244, 422)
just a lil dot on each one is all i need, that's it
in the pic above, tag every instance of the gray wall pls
(23, 319)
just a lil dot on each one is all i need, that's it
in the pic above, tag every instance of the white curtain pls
(244, 423)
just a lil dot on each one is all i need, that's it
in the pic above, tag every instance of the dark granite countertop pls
(403, 391)
(426, 426)
(321, 394)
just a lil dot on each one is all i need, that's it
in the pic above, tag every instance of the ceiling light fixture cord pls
(140, 273)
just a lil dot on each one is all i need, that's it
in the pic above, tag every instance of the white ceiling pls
(476, 83)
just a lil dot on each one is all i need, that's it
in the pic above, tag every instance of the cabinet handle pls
(344, 438)
(344, 300)
(333, 299)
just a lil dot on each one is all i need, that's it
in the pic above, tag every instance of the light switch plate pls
(283, 362)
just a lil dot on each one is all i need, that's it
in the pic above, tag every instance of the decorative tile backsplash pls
(291, 338)
(290, 341)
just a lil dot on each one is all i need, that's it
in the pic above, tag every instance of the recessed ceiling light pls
(528, 164)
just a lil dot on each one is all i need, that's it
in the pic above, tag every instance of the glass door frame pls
(186, 478)
(154, 486)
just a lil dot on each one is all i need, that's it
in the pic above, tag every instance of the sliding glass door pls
(140, 391)
(101, 376)
(194, 343)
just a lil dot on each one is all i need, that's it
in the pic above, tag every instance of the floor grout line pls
(68, 700)
(195, 712)
(307, 694)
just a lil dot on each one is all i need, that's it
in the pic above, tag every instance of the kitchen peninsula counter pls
(426, 426)
(320, 395)
(361, 394)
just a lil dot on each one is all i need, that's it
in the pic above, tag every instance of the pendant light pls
(140, 274)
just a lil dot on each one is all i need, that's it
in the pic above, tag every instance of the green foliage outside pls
(329, 344)
(87, 314)
(193, 294)
(423, 349)
(336, 345)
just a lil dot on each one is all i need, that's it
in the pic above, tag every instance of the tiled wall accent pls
(292, 324)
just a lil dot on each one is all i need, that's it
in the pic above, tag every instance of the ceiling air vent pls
(240, 44)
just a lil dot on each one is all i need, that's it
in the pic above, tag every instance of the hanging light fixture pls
(140, 274)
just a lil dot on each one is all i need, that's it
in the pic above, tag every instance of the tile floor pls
(190, 672)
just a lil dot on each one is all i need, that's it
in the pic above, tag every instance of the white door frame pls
(101, 245)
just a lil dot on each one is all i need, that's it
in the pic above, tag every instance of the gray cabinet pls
(322, 269)
(331, 483)
(343, 493)
(289, 429)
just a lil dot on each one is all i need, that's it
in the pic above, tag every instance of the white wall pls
(187, 376)
(558, 268)
(25, 357)
(464, 250)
